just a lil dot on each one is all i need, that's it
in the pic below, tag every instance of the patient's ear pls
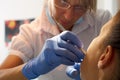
(106, 57)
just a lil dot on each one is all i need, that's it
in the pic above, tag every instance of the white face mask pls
(79, 20)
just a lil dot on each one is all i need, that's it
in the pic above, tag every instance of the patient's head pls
(102, 60)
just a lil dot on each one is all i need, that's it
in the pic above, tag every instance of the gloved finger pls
(58, 57)
(71, 37)
(66, 61)
(77, 78)
(62, 59)
(67, 54)
(51, 58)
(71, 48)
(72, 72)
(77, 66)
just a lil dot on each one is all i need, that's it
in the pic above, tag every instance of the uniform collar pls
(88, 21)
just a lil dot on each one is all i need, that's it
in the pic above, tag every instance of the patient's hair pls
(113, 39)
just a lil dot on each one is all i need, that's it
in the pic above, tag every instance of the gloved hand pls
(74, 71)
(57, 50)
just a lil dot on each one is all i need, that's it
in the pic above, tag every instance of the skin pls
(99, 62)
(11, 68)
(13, 65)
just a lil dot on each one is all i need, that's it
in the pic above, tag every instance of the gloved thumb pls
(73, 71)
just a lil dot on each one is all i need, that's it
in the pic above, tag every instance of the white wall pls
(19, 9)
(111, 5)
(16, 9)
(115, 6)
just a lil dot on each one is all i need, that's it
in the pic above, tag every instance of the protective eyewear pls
(64, 4)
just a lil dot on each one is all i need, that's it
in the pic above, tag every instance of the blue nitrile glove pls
(57, 50)
(74, 71)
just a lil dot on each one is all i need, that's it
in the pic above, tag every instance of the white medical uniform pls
(29, 42)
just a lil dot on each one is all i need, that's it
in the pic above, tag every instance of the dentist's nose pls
(69, 14)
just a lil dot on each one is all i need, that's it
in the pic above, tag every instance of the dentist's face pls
(89, 68)
(67, 12)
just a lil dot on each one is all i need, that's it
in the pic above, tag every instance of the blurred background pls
(15, 12)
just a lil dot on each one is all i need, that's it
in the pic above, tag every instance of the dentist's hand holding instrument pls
(57, 50)
(74, 70)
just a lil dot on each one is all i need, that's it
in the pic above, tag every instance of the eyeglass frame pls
(81, 8)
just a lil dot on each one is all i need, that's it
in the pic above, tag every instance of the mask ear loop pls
(59, 25)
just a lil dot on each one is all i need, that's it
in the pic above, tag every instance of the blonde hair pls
(45, 3)
(93, 4)
(90, 4)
